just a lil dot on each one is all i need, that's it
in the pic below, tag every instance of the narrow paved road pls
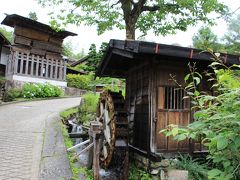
(31, 144)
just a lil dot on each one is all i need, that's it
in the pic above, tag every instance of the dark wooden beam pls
(79, 135)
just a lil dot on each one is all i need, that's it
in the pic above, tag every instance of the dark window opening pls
(173, 98)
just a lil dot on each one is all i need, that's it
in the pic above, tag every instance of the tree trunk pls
(130, 30)
(129, 19)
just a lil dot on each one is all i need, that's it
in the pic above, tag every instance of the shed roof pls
(79, 61)
(13, 20)
(123, 55)
(74, 71)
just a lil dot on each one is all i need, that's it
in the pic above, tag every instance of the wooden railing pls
(28, 64)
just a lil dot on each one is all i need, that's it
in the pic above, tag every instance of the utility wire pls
(235, 10)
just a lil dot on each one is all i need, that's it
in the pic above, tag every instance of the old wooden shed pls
(35, 54)
(153, 100)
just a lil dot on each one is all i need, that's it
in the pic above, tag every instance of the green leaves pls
(216, 119)
(154, 16)
(187, 77)
(174, 131)
(214, 173)
(31, 91)
(222, 143)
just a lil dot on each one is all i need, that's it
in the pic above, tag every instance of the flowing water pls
(83, 158)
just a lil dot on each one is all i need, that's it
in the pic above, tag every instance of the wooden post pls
(37, 67)
(51, 70)
(95, 132)
(42, 65)
(15, 60)
(61, 70)
(27, 63)
(21, 64)
(32, 65)
(64, 70)
(56, 69)
(46, 69)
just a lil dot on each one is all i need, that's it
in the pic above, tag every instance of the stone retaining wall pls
(160, 170)
(74, 91)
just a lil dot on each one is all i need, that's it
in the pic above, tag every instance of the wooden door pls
(171, 109)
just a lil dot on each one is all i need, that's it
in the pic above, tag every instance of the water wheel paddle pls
(112, 114)
(105, 114)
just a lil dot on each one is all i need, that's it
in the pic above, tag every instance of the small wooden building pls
(35, 53)
(153, 100)
(4, 53)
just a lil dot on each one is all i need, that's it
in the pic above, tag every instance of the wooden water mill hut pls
(154, 101)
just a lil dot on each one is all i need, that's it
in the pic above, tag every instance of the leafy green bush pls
(2, 80)
(12, 94)
(88, 109)
(40, 91)
(87, 82)
(196, 170)
(79, 81)
(137, 174)
(217, 119)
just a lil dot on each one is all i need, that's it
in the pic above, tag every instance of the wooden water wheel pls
(114, 145)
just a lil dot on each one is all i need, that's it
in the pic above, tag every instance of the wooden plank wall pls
(137, 96)
(145, 99)
(38, 42)
(163, 117)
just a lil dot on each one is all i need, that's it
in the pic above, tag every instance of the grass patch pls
(66, 114)
(69, 143)
(87, 110)
(76, 170)
(197, 168)
(137, 173)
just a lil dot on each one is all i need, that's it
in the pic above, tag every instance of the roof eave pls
(13, 19)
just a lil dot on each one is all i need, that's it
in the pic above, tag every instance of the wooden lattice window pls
(171, 98)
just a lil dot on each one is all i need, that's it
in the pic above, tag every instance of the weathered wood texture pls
(31, 34)
(22, 40)
(56, 41)
(169, 107)
(154, 101)
(46, 46)
(29, 64)
(38, 42)
(38, 51)
(138, 106)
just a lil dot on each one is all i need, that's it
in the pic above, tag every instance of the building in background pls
(36, 53)
(4, 53)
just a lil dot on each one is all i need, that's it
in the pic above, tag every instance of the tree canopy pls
(68, 50)
(7, 34)
(230, 42)
(94, 57)
(33, 15)
(232, 37)
(205, 39)
(161, 16)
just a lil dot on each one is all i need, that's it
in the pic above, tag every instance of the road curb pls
(38, 99)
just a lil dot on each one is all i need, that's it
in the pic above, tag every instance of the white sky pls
(88, 35)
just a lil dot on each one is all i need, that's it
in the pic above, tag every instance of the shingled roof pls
(121, 56)
(17, 20)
